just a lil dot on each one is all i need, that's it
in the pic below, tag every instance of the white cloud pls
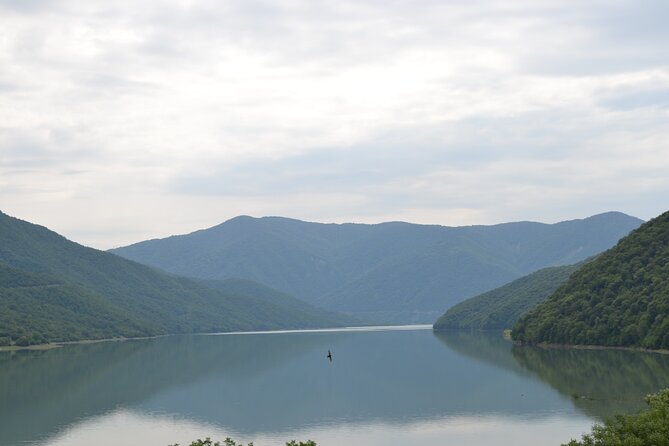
(127, 120)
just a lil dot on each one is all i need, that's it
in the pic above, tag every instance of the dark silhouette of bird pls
(329, 356)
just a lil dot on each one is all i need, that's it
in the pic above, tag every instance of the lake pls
(402, 385)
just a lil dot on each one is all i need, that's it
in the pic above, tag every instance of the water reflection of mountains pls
(43, 392)
(599, 382)
(255, 384)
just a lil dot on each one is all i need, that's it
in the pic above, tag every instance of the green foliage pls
(208, 442)
(31, 339)
(391, 272)
(619, 299)
(501, 307)
(230, 442)
(36, 309)
(648, 428)
(54, 290)
(5, 341)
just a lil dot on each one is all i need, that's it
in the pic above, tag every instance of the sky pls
(122, 121)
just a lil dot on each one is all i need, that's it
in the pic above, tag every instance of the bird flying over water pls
(329, 356)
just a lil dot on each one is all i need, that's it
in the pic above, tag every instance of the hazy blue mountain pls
(619, 299)
(500, 308)
(56, 290)
(243, 287)
(390, 272)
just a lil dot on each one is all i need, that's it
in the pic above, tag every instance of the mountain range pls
(52, 289)
(500, 308)
(621, 298)
(390, 272)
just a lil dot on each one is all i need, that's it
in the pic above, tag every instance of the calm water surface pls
(384, 387)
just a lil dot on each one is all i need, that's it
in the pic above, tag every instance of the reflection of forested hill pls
(253, 384)
(375, 376)
(486, 346)
(42, 391)
(601, 382)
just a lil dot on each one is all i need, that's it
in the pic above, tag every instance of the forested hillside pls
(243, 287)
(52, 289)
(390, 272)
(36, 308)
(619, 299)
(501, 307)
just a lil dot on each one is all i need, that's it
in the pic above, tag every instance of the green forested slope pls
(305, 311)
(36, 308)
(501, 307)
(619, 299)
(390, 272)
(54, 289)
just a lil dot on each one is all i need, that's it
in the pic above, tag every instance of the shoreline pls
(506, 334)
(53, 345)
(593, 347)
(406, 327)
(16, 348)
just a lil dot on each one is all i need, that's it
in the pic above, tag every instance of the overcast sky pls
(126, 120)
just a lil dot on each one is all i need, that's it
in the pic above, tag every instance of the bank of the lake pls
(16, 348)
(506, 334)
(53, 345)
(593, 347)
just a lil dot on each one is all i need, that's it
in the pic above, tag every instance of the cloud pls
(599, 38)
(26, 6)
(631, 100)
(150, 118)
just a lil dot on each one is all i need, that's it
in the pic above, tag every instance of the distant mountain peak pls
(612, 214)
(394, 271)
